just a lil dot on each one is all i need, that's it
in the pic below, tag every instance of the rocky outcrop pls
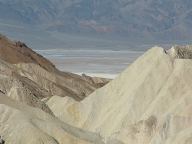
(98, 82)
(181, 52)
(20, 88)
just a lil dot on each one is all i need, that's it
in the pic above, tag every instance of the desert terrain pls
(148, 103)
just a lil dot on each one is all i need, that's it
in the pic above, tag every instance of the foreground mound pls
(149, 103)
(21, 124)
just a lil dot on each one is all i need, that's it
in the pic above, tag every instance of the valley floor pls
(107, 63)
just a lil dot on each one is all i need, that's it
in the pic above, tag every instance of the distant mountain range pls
(138, 20)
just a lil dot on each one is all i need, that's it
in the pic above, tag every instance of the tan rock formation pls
(149, 103)
(21, 124)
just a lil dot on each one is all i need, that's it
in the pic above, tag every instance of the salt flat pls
(91, 61)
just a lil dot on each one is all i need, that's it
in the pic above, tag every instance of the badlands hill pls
(41, 71)
(149, 103)
(27, 81)
(18, 52)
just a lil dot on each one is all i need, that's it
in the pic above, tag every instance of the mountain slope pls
(149, 103)
(41, 71)
(18, 52)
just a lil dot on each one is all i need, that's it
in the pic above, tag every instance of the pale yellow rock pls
(149, 103)
(21, 124)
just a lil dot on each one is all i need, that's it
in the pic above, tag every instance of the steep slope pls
(149, 103)
(63, 84)
(18, 52)
(40, 70)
